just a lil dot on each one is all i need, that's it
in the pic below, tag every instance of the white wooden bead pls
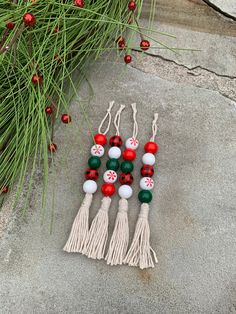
(146, 183)
(148, 159)
(132, 143)
(97, 150)
(114, 152)
(90, 186)
(110, 176)
(125, 191)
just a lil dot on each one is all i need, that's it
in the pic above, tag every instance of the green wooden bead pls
(112, 164)
(94, 162)
(145, 196)
(127, 166)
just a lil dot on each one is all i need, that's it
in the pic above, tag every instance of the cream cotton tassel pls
(140, 252)
(98, 232)
(79, 230)
(120, 238)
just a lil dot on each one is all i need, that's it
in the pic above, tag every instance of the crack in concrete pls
(197, 76)
(185, 66)
(217, 9)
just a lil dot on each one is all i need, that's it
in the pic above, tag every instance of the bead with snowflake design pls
(110, 176)
(132, 143)
(146, 183)
(97, 150)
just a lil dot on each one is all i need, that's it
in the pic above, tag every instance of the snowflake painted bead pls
(148, 159)
(146, 183)
(110, 176)
(97, 150)
(90, 186)
(114, 152)
(132, 143)
(125, 191)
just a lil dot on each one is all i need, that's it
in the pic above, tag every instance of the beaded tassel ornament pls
(140, 252)
(120, 237)
(80, 228)
(98, 232)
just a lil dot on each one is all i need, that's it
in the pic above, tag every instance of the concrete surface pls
(227, 6)
(192, 214)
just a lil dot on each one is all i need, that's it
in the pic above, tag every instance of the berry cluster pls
(147, 171)
(94, 162)
(126, 177)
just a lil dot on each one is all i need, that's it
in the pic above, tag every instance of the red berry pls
(91, 174)
(108, 189)
(151, 147)
(79, 3)
(100, 139)
(10, 25)
(37, 79)
(132, 5)
(126, 178)
(5, 189)
(56, 29)
(145, 44)
(120, 40)
(147, 171)
(116, 140)
(49, 110)
(127, 59)
(65, 118)
(52, 147)
(29, 19)
(129, 154)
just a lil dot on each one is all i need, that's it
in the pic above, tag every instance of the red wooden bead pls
(129, 154)
(127, 59)
(65, 118)
(49, 110)
(126, 178)
(108, 189)
(79, 3)
(100, 139)
(145, 44)
(52, 147)
(116, 140)
(37, 79)
(10, 25)
(5, 189)
(91, 174)
(132, 5)
(151, 147)
(29, 19)
(147, 171)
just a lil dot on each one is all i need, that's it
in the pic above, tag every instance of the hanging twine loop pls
(135, 126)
(107, 115)
(154, 127)
(117, 119)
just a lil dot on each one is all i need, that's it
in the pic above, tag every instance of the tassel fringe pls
(80, 227)
(98, 233)
(120, 238)
(140, 252)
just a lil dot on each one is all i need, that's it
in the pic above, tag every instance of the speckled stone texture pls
(192, 215)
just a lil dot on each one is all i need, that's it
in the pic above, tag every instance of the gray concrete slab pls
(213, 52)
(192, 215)
(227, 6)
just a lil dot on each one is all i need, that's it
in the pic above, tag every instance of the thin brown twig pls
(13, 40)
(4, 37)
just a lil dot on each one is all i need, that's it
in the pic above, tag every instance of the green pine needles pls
(37, 56)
